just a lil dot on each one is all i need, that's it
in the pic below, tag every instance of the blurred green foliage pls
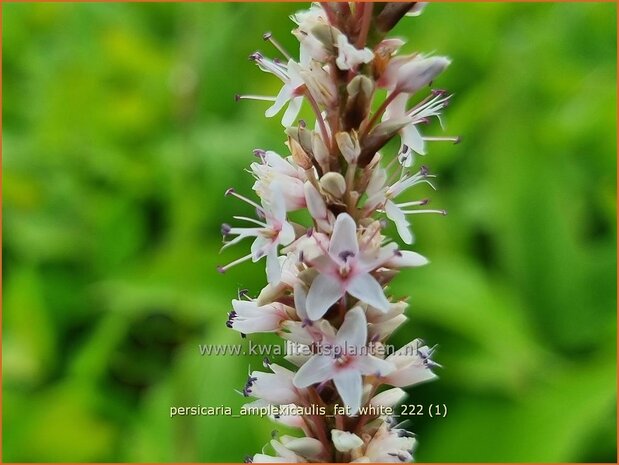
(121, 135)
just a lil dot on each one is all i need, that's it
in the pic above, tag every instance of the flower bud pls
(411, 73)
(299, 155)
(334, 184)
(348, 144)
(360, 91)
(320, 151)
(345, 441)
(308, 447)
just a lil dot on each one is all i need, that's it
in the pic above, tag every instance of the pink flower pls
(275, 230)
(412, 72)
(247, 317)
(345, 268)
(413, 365)
(344, 362)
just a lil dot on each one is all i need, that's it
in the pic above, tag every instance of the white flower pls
(291, 92)
(272, 388)
(349, 56)
(274, 170)
(389, 445)
(291, 450)
(413, 365)
(412, 72)
(318, 208)
(381, 195)
(411, 138)
(247, 317)
(345, 441)
(347, 368)
(311, 48)
(345, 268)
(275, 230)
(319, 83)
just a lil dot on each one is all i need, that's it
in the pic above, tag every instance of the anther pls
(225, 229)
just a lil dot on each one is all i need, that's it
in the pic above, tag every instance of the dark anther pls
(266, 36)
(230, 191)
(346, 254)
(225, 229)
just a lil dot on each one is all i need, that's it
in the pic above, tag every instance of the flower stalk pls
(327, 282)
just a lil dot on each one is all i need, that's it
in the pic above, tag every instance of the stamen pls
(225, 229)
(265, 98)
(269, 38)
(224, 268)
(232, 192)
(413, 212)
(454, 139)
(242, 293)
(414, 204)
(251, 220)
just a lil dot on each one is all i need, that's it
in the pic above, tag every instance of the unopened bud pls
(320, 151)
(345, 441)
(299, 155)
(348, 144)
(334, 184)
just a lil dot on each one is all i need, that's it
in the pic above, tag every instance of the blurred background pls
(120, 136)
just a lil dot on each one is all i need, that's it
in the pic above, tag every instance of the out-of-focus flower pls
(346, 362)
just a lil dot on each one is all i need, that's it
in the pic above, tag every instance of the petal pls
(260, 247)
(282, 97)
(407, 258)
(317, 369)
(370, 365)
(263, 458)
(397, 108)
(286, 235)
(292, 111)
(324, 292)
(345, 441)
(410, 375)
(273, 269)
(365, 288)
(300, 298)
(354, 330)
(307, 447)
(349, 386)
(395, 214)
(412, 138)
(389, 398)
(315, 203)
(344, 237)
